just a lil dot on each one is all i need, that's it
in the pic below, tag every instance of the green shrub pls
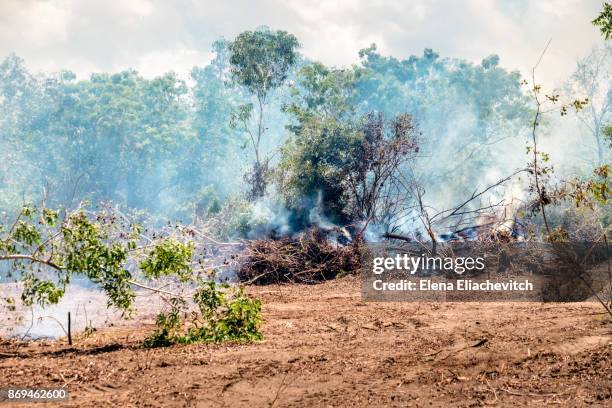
(223, 313)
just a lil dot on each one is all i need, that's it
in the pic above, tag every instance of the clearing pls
(325, 347)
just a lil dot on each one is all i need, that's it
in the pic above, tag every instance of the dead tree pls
(386, 148)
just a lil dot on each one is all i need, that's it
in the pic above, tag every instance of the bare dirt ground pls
(325, 347)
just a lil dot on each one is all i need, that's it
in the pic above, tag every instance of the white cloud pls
(155, 36)
(180, 60)
(33, 24)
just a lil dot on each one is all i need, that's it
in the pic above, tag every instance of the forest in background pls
(180, 149)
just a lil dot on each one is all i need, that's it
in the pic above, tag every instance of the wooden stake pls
(69, 331)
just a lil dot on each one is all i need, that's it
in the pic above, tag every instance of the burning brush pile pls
(308, 258)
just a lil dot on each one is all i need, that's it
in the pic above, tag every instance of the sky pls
(155, 36)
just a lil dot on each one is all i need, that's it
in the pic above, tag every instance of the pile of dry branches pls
(310, 258)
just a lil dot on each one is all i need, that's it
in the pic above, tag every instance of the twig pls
(492, 389)
(143, 286)
(31, 324)
(31, 259)
(530, 394)
(280, 388)
(214, 241)
(56, 321)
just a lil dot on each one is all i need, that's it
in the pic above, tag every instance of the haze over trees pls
(261, 131)
(260, 62)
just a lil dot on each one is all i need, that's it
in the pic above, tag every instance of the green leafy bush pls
(223, 313)
(45, 252)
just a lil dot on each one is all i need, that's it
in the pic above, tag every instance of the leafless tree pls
(593, 80)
